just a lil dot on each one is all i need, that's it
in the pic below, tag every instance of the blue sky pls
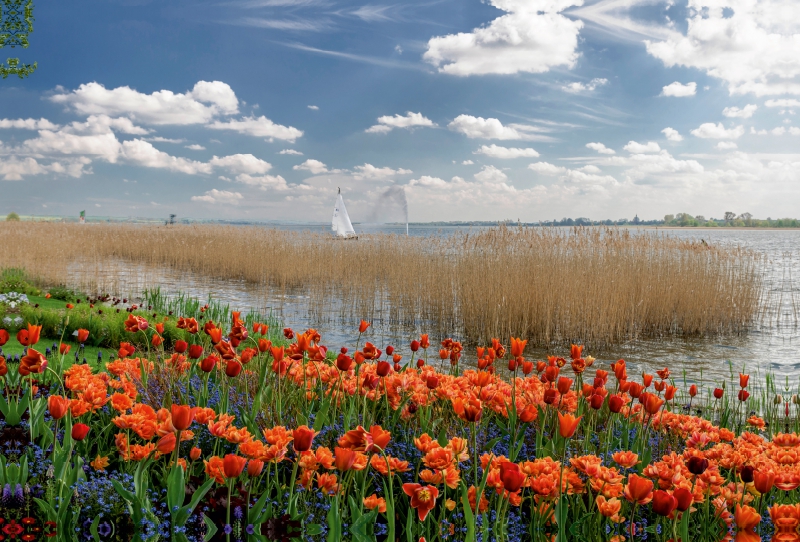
(502, 109)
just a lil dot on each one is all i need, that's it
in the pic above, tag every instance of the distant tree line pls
(730, 219)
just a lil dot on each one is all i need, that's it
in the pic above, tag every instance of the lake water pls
(770, 346)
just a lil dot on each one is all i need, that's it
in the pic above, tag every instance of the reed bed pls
(597, 286)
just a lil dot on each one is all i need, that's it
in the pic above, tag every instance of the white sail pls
(341, 224)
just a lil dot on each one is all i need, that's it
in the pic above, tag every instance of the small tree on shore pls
(12, 216)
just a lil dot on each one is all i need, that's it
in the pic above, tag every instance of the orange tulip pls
(564, 384)
(747, 519)
(470, 411)
(160, 328)
(57, 405)
(373, 501)
(29, 336)
(653, 404)
(517, 347)
(233, 465)
(157, 340)
(362, 327)
(64, 349)
(575, 351)
(32, 362)
(423, 498)
(639, 489)
(743, 380)
(567, 424)
(166, 444)
(763, 481)
(344, 459)
(254, 467)
(83, 334)
(182, 416)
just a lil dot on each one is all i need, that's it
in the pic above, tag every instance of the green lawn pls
(47, 303)
(12, 347)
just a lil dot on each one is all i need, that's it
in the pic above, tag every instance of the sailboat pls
(341, 224)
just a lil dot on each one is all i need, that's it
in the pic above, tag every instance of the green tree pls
(12, 217)
(16, 22)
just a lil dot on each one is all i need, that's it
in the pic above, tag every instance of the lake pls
(769, 346)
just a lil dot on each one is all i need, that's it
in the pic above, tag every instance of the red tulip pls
(414, 345)
(233, 368)
(596, 401)
(763, 481)
(718, 393)
(208, 364)
(684, 498)
(692, 390)
(362, 327)
(743, 395)
(564, 385)
(432, 382)
(181, 346)
(83, 334)
(302, 438)
(3, 337)
(383, 368)
(64, 349)
(615, 403)
(664, 503)
(344, 362)
(195, 351)
(79, 431)
(166, 444)
(550, 396)
(511, 476)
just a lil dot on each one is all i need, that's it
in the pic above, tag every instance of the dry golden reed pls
(591, 285)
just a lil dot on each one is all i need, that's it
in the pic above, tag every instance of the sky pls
(473, 110)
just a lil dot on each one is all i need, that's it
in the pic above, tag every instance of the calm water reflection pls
(770, 346)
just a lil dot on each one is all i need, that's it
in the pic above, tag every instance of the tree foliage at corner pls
(16, 22)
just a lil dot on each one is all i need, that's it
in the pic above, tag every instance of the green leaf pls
(313, 529)
(334, 524)
(211, 528)
(176, 489)
(360, 529)
(322, 416)
(442, 440)
(93, 528)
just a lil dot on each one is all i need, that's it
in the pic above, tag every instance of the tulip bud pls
(195, 453)
(596, 401)
(420, 363)
(718, 393)
(208, 364)
(615, 403)
(181, 346)
(254, 467)
(550, 396)
(233, 368)
(697, 465)
(684, 498)
(747, 473)
(79, 431)
(692, 390)
(432, 382)
(414, 345)
(389, 350)
(383, 369)
(777, 400)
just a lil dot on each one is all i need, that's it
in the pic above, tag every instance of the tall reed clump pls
(552, 285)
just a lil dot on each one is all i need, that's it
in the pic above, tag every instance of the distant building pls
(636, 219)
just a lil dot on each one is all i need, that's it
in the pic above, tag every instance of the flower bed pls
(227, 436)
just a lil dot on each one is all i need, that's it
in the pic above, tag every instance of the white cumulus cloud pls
(314, 166)
(496, 151)
(726, 145)
(672, 134)
(642, 148)
(752, 46)
(205, 101)
(368, 171)
(532, 37)
(744, 113)
(410, 120)
(28, 124)
(481, 128)
(679, 90)
(709, 130)
(600, 148)
(219, 196)
(241, 163)
(291, 151)
(259, 127)
(785, 102)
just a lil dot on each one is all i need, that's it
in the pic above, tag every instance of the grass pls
(551, 286)
(14, 348)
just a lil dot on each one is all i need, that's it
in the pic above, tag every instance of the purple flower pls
(228, 529)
